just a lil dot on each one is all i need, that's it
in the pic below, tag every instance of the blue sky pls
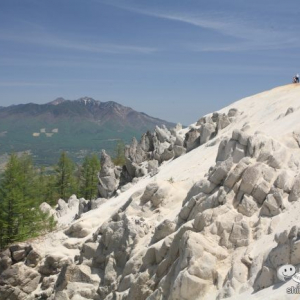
(172, 59)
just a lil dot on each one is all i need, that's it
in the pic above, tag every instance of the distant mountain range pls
(77, 126)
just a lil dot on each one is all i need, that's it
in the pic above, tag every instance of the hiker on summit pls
(296, 78)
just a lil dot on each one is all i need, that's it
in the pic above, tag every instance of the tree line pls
(23, 187)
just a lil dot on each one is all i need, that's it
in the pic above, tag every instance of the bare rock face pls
(62, 208)
(144, 157)
(32, 258)
(52, 264)
(207, 131)
(79, 229)
(5, 260)
(209, 128)
(163, 145)
(192, 139)
(164, 229)
(295, 191)
(19, 251)
(18, 280)
(108, 177)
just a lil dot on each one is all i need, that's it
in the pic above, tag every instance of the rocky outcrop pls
(18, 278)
(217, 217)
(18, 281)
(145, 157)
(109, 176)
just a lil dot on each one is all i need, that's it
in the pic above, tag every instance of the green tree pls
(119, 155)
(65, 179)
(45, 187)
(89, 177)
(20, 215)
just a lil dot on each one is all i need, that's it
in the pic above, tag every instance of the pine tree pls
(20, 215)
(41, 185)
(11, 197)
(89, 177)
(65, 180)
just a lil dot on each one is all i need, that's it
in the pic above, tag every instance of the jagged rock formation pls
(216, 223)
(108, 177)
(246, 186)
(145, 157)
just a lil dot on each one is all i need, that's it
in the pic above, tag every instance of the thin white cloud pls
(249, 34)
(50, 41)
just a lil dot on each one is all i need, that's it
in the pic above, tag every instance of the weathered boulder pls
(295, 191)
(150, 190)
(222, 121)
(179, 141)
(88, 250)
(236, 173)
(179, 151)
(240, 234)
(266, 278)
(19, 251)
(153, 166)
(233, 112)
(201, 186)
(5, 260)
(135, 153)
(52, 264)
(192, 139)
(203, 219)
(285, 180)
(79, 229)
(207, 131)
(164, 229)
(147, 142)
(220, 171)
(75, 273)
(273, 205)
(108, 177)
(163, 134)
(73, 202)
(247, 206)
(33, 258)
(20, 276)
(83, 206)
(62, 208)
(12, 293)
(167, 154)
(159, 196)
(253, 174)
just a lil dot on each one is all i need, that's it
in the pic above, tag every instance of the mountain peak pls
(88, 100)
(83, 100)
(57, 101)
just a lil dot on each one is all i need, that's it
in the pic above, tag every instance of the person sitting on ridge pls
(296, 78)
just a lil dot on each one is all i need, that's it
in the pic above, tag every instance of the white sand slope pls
(276, 114)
